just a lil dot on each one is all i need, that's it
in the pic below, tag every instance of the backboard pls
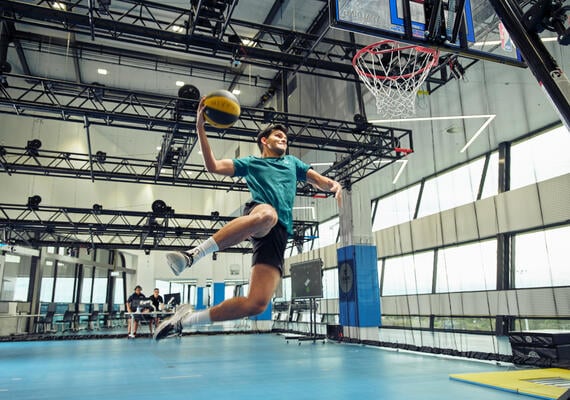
(307, 279)
(477, 30)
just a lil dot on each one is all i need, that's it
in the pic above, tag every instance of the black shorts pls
(269, 249)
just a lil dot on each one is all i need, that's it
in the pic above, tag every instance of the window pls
(286, 283)
(16, 279)
(229, 291)
(410, 274)
(328, 233)
(64, 283)
(100, 286)
(46, 290)
(87, 285)
(452, 189)
(539, 158)
(119, 291)
(541, 258)
(330, 283)
(468, 267)
(396, 208)
(102, 256)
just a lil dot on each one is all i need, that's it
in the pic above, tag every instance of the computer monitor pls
(172, 299)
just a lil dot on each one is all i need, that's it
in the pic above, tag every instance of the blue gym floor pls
(238, 366)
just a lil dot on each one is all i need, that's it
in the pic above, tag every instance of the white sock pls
(205, 248)
(197, 318)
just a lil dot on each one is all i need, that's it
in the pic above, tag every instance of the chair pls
(68, 318)
(93, 320)
(44, 321)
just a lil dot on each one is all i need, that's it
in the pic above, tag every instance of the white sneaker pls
(179, 261)
(131, 336)
(173, 325)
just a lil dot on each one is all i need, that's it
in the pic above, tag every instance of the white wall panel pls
(515, 210)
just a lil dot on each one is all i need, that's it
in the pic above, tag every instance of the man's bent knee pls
(266, 217)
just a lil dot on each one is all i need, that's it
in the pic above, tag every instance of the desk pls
(146, 315)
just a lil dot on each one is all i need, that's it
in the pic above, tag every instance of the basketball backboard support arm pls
(545, 69)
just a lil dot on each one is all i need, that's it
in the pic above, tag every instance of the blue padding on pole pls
(359, 291)
(219, 292)
(264, 316)
(200, 299)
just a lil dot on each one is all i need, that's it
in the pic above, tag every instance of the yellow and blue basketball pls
(222, 109)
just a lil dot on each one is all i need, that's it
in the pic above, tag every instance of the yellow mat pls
(520, 381)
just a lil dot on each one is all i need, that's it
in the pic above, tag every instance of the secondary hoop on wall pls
(394, 72)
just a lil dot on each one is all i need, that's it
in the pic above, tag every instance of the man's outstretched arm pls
(326, 184)
(222, 167)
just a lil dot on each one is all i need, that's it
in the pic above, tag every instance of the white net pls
(393, 72)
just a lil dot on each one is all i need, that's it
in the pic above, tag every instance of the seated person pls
(134, 305)
(157, 302)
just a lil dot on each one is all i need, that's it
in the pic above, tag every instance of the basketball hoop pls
(394, 72)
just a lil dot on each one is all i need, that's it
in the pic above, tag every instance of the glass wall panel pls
(330, 283)
(87, 285)
(452, 189)
(328, 233)
(286, 282)
(466, 324)
(46, 289)
(163, 287)
(64, 283)
(192, 295)
(396, 208)
(16, 279)
(229, 291)
(541, 258)
(119, 291)
(539, 158)
(100, 286)
(102, 256)
(468, 267)
(410, 274)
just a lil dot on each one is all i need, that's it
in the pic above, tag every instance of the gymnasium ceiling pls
(55, 50)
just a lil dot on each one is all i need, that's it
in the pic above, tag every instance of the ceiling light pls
(177, 28)
(59, 5)
(248, 42)
(102, 71)
(179, 83)
(158, 148)
(236, 91)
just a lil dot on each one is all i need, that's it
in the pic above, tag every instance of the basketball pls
(222, 109)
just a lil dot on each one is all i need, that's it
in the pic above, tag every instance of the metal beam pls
(355, 153)
(115, 229)
(150, 24)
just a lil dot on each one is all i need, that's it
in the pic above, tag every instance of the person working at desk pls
(133, 305)
(156, 300)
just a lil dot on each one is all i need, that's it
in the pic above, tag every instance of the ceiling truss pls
(37, 226)
(207, 29)
(356, 150)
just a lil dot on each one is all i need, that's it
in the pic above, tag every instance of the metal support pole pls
(543, 66)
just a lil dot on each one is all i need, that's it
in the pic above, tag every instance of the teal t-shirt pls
(273, 181)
